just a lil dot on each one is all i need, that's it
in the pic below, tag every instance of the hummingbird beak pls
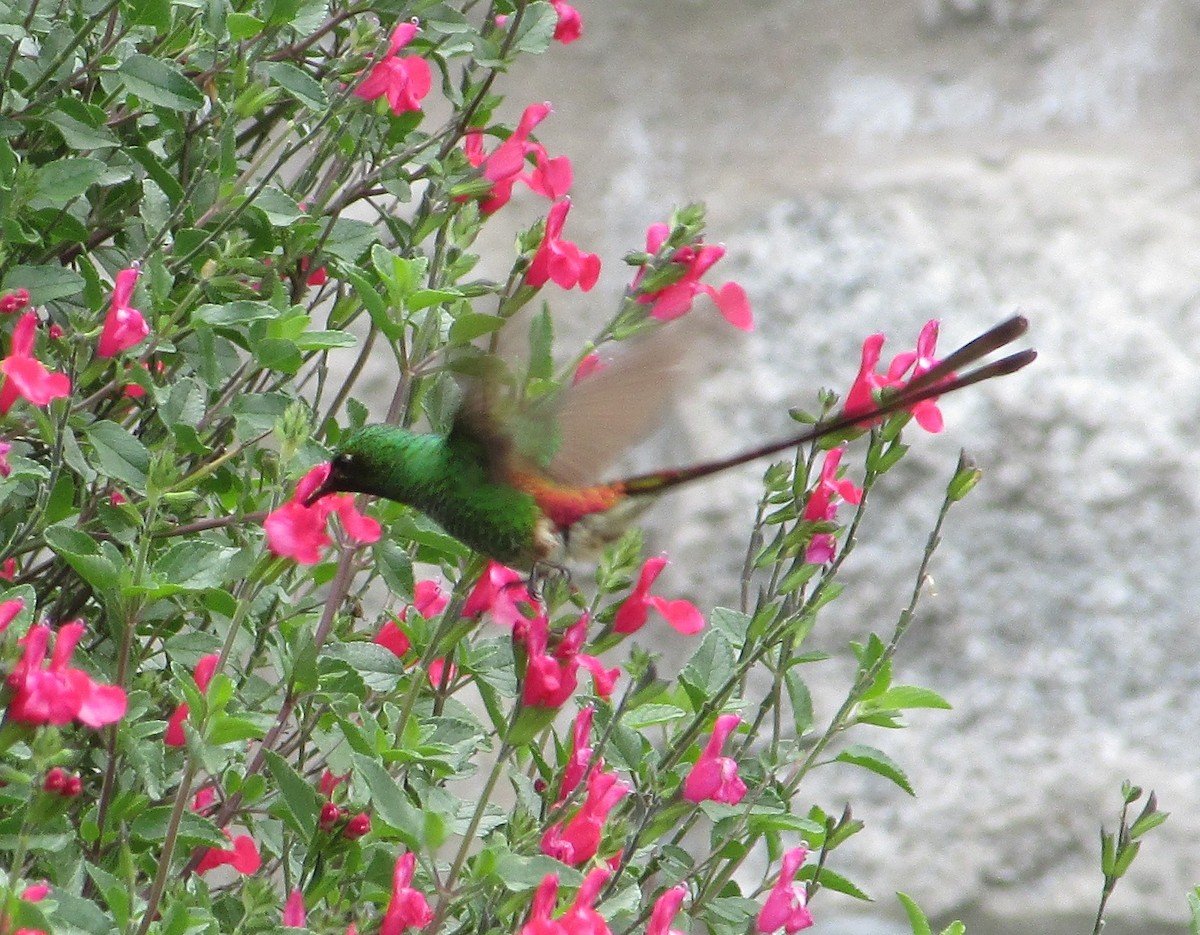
(327, 486)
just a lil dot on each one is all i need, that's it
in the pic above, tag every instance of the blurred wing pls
(614, 408)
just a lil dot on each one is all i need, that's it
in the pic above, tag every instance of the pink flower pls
(5, 467)
(9, 611)
(202, 675)
(580, 756)
(498, 592)
(59, 782)
(242, 857)
(328, 782)
(570, 26)
(8, 569)
(786, 906)
(298, 531)
(683, 615)
(403, 81)
(544, 897)
(589, 365)
(124, 326)
(318, 277)
(715, 777)
(675, 300)
(358, 826)
(392, 638)
(505, 165)
(926, 412)
(58, 694)
(577, 840)
(581, 918)
(666, 907)
(408, 907)
(14, 301)
(860, 398)
(25, 376)
(551, 677)
(561, 260)
(36, 892)
(293, 910)
(329, 816)
(822, 506)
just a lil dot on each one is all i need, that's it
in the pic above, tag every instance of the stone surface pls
(873, 164)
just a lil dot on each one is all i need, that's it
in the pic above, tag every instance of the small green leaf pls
(376, 665)
(194, 565)
(466, 328)
(389, 801)
(917, 919)
(241, 312)
(79, 135)
(157, 82)
(65, 179)
(910, 696)
(194, 831)
(322, 340)
(833, 880)
(120, 454)
(877, 762)
(303, 87)
(100, 565)
(243, 26)
(45, 283)
(298, 794)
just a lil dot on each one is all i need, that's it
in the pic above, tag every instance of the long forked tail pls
(937, 381)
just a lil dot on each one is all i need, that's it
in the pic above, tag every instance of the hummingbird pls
(483, 490)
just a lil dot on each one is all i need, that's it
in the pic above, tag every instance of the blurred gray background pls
(870, 164)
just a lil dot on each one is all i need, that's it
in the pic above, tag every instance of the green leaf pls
(298, 794)
(243, 26)
(79, 135)
(649, 715)
(466, 328)
(303, 87)
(45, 283)
(877, 762)
(536, 30)
(322, 340)
(193, 566)
(65, 179)
(389, 801)
(1147, 823)
(157, 82)
(910, 696)
(151, 825)
(241, 312)
(917, 920)
(99, 564)
(711, 666)
(378, 666)
(349, 239)
(120, 454)
(833, 880)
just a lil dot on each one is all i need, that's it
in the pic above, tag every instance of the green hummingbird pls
(476, 483)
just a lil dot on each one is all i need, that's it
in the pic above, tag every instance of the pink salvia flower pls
(786, 907)
(392, 638)
(577, 840)
(589, 365)
(56, 693)
(552, 676)
(561, 260)
(403, 81)
(124, 326)
(715, 777)
(243, 856)
(24, 376)
(174, 737)
(675, 300)
(8, 569)
(36, 892)
(14, 301)
(298, 532)
(666, 907)
(926, 412)
(822, 506)
(9, 611)
(498, 592)
(570, 26)
(505, 165)
(358, 826)
(408, 907)
(5, 467)
(582, 918)
(540, 909)
(293, 910)
(328, 817)
(580, 756)
(683, 615)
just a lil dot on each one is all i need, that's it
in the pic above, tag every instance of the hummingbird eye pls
(343, 461)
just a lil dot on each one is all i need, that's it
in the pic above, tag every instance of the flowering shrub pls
(231, 707)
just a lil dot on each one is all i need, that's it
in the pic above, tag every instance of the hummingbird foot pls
(544, 573)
